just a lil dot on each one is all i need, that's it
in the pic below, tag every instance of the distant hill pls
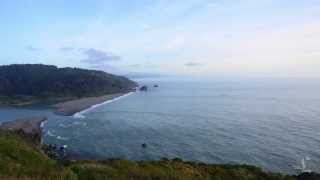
(45, 81)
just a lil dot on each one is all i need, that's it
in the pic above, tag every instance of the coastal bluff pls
(28, 126)
(21, 158)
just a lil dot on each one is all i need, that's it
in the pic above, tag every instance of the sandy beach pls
(70, 108)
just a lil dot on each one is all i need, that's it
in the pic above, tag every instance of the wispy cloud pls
(67, 49)
(228, 37)
(134, 65)
(192, 64)
(95, 56)
(32, 48)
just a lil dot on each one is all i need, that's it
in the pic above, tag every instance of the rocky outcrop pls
(29, 126)
(144, 88)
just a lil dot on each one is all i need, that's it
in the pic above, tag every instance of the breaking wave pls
(80, 115)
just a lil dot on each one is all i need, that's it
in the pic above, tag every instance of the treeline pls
(49, 81)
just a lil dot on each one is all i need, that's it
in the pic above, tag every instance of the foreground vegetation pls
(22, 158)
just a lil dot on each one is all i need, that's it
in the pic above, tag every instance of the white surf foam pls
(80, 115)
(80, 123)
(42, 124)
(308, 158)
(64, 125)
(62, 138)
(49, 133)
(303, 165)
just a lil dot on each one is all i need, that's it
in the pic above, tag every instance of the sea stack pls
(144, 145)
(144, 88)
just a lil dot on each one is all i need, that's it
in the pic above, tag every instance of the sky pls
(251, 38)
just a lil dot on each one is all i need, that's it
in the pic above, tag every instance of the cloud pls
(192, 64)
(33, 49)
(134, 65)
(95, 56)
(67, 49)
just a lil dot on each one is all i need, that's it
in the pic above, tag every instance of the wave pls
(64, 125)
(62, 138)
(303, 165)
(80, 115)
(49, 133)
(80, 123)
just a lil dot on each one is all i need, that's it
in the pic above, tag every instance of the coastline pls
(31, 126)
(80, 114)
(77, 108)
(26, 158)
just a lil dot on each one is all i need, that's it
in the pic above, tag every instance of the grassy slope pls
(22, 159)
(124, 169)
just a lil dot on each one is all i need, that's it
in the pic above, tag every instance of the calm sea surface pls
(274, 124)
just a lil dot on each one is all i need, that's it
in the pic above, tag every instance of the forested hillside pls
(38, 80)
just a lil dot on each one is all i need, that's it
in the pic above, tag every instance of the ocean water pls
(271, 123)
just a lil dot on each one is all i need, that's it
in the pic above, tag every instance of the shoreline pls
(77, 108)
(29, 125)
(80, 113)
(31, 128)
(25, 158)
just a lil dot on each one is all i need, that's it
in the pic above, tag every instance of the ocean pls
(270, 123)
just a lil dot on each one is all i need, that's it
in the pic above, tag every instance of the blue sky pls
(279, 38)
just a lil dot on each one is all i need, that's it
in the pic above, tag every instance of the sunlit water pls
(274, 124)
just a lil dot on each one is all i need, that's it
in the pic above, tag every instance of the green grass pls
(21, 158)
(124, 169)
